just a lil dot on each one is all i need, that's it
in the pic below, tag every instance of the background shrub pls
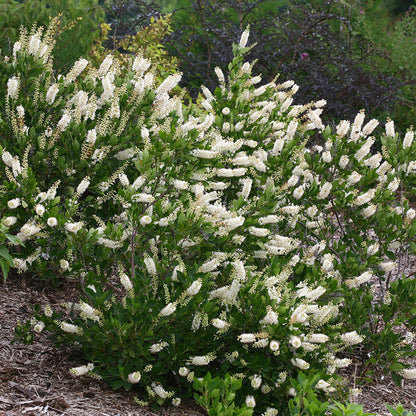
(338, 51)
(80, 19)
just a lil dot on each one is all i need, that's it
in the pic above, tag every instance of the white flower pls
(270, 318)
(52, 222)
(369, 211)
(124, 180)
(146, 198)
(126, 282)
(351, 338)
(256, 382)
(247, 338)
(243, 40)
(134, 378)
(410, 214)
(298, 362)
(354, 178)
(64, 122)
(322, 385)
(51, 93)
(13, 84)
(204, 154)
(183, 371)
(293, 180)
(29, 229)
(160, 391)
(16, 48)
(74, 227)
(155, 348)
(82, 370)
(7, 158)
(408, 139)
(176, 401)
(358, 121)
(70, 328)
(229, 173)
(150, 265)
(408, 373)
(259, 232)
(390, 128)
(20, 111)
(219, 323)
(201, 360)
(64, 264)
(226, 111)
(343, 161)
(168, 309)
(83, 186)
(394, 184)
(388, 266)
(34, 44)
(138, 183)
(9, 221)
(298, 192)
(181, 185)
(78, 67)
(295, 342)
(374, 161)
(342, 128)
(16, 168)
(39, 209)
(327, 263)
(39, 326)
(318, 338)
(209, 266)
(105, 65)
(14, 203)
(145, 220)
(369, 127)
(194, 288)
(365, 198)
(270, 411)
(140, 65)
(325, 190)
(274, 345)
(168, 84)
(326, 157)
(250, 402)
(88, 312)
(373, 249)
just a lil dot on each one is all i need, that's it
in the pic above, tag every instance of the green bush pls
(79, 18)
(207, 237)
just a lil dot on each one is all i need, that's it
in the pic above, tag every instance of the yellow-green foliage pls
(147, 41)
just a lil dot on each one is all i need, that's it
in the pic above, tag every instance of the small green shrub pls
(218, 394)
(399, 410)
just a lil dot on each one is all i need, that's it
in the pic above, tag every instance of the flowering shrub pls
(209, 236)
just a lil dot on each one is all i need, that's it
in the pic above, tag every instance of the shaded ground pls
(34, 379)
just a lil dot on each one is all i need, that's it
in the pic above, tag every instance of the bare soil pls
(35, 378)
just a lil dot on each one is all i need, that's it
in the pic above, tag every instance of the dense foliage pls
(209, 236)
(80, 18)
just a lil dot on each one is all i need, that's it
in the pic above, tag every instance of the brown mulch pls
(35, 378)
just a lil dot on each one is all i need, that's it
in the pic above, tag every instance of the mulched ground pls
(35, 379)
